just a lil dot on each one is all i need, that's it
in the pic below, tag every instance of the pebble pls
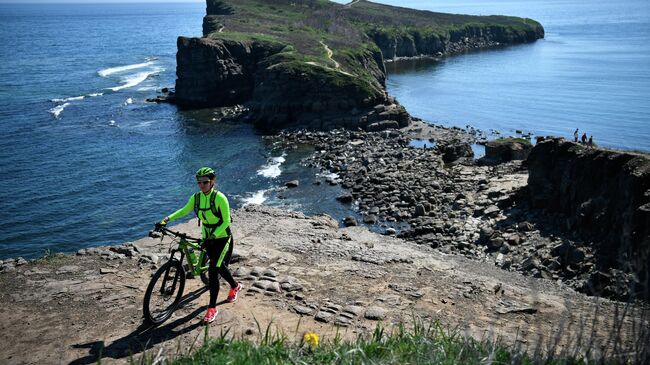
(104, 271)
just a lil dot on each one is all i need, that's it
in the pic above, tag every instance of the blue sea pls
(85, 161)
(591, 72)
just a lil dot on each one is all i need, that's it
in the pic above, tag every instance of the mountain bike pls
(166, 287)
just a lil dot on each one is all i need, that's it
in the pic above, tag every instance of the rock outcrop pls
(605, 197)
(504, 150)
(276, 58)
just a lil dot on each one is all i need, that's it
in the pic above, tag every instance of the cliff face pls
(320, 64)
(414, 43)
(605, 196)
(218, 72)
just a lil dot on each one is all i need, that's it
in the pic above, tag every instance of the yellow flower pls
(310, 338)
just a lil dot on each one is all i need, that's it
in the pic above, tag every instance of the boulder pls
(382, 125)
(455, 150)
(345, 198)
(350, 221)
(420, 210)
(292, 184)
(504, 150)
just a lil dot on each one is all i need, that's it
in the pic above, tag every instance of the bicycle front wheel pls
(164, 292)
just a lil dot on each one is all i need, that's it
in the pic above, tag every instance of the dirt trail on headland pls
(299, 273)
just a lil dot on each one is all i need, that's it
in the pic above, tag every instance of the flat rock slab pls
(67, 269)
(375, 313)
(353, 309)
(324, 316)
(300, 309)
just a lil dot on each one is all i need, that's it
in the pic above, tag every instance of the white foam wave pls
(329, 175)
(136, 79)
(57, 110)
(272, 169)
(114, 70)
(128, 101)
(256, 198)
(68, 99)
(112, 123)
(148, 88)
(95, 94)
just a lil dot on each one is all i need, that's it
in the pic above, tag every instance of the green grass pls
(423, 344)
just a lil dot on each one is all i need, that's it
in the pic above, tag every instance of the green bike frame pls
(188, 249)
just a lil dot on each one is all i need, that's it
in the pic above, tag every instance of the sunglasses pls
(203, 182)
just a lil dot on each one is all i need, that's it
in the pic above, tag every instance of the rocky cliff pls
(605, 197)
(321, 64)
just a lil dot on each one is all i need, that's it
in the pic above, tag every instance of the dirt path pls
(329, 55)
(337, 66)
(297, 271)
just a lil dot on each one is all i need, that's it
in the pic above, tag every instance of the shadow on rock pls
(143, 338)
(541, 243)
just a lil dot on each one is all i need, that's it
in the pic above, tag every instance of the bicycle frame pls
(187, 249)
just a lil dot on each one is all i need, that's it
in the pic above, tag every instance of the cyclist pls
(212, 208)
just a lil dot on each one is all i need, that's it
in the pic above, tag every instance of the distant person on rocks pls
(212, 208)
(575, 136)
(591, 141)
(584, 138)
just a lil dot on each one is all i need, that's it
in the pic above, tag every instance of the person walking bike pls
(212, 208)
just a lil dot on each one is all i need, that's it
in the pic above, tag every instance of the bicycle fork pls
(175, 277)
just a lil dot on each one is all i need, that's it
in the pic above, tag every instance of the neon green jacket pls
(213, 226)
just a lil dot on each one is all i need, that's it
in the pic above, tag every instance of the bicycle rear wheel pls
(164, 292)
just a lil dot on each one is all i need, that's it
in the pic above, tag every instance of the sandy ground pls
(299, 274)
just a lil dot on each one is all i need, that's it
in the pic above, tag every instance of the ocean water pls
(85, 161)
(591, 72)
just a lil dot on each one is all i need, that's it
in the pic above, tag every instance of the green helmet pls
(206, 171)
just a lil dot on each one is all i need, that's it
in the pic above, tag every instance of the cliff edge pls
(320, 64)
(605, 197)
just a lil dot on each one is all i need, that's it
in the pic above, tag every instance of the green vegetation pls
(349, 31)
(51, 258)
(423, 344)
(513, 139)
(243, 37)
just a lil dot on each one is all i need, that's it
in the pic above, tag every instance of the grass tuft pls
(423, 343)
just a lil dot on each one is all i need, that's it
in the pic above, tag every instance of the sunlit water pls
(85, 161)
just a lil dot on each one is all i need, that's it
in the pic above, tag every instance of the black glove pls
(162, 224)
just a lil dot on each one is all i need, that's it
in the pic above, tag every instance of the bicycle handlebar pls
(166, 231)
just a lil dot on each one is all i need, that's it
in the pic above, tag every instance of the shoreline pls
(463, 208)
